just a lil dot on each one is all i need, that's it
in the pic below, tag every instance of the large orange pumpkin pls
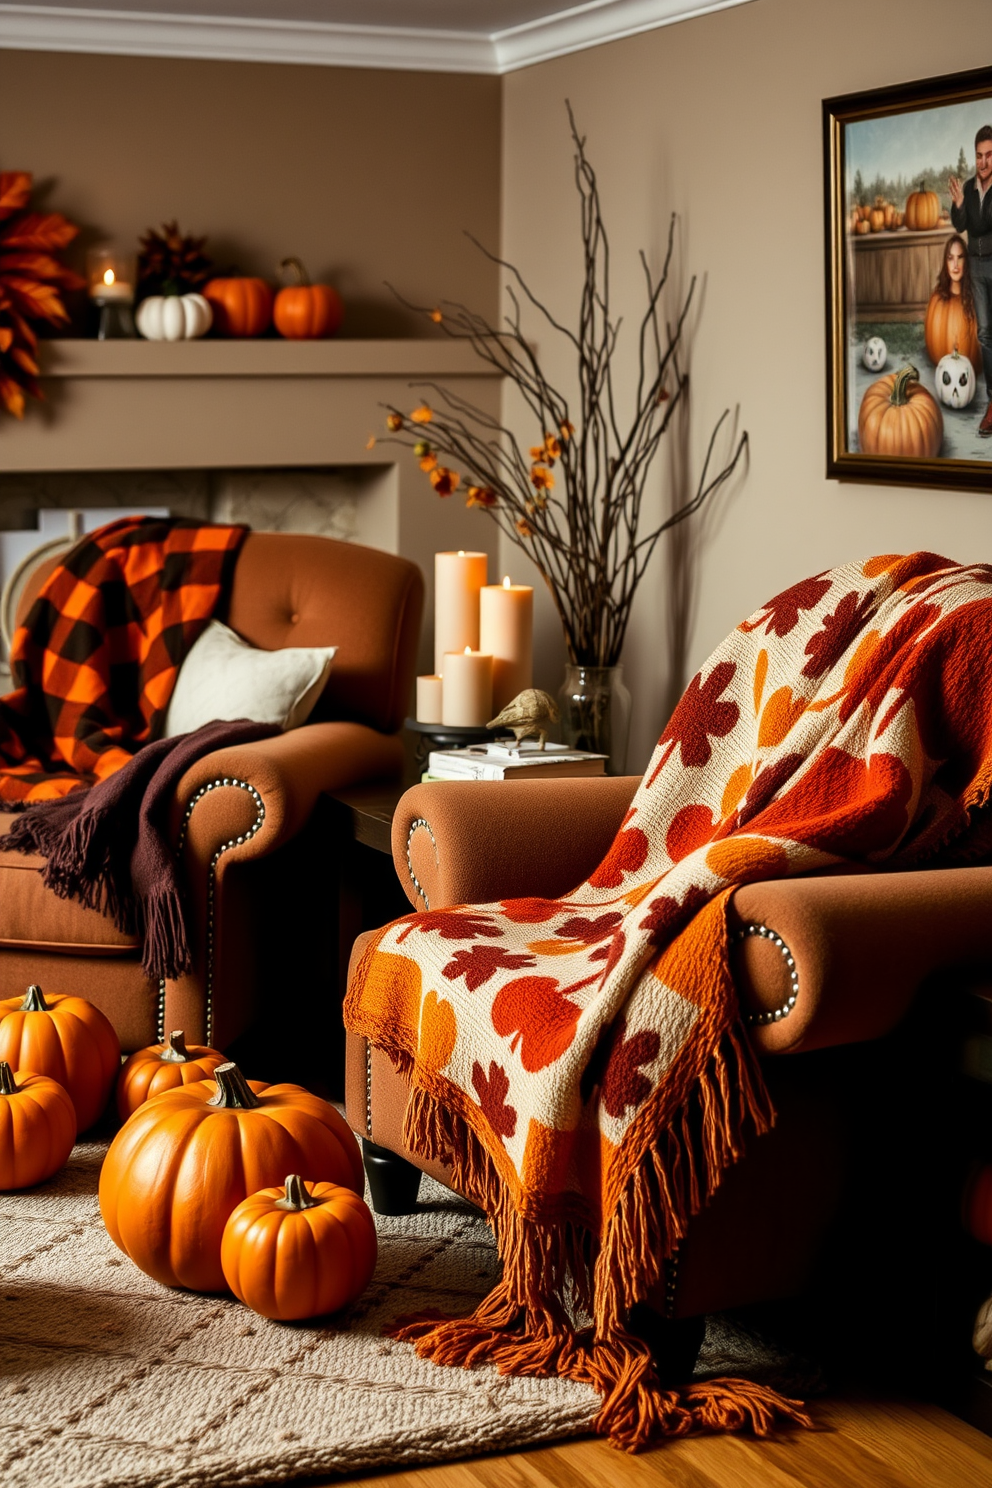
(186, 1158)
(66, 1038)
(37, 1127)
(898, 417)
(948, 327)
(287, 1253)
(163, 1067)
(241, 306)
(305, 311)
(922, 209)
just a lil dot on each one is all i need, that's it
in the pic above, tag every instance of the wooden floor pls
(857, 1444)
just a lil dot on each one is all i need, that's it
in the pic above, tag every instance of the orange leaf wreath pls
(31, 281)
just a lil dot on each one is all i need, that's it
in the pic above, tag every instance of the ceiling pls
(492, 36)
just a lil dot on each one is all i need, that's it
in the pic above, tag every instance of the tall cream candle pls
(467, 693)
(458, 577)
(506, 628)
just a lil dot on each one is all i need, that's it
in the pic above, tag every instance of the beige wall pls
(718, 119)
(365, 175)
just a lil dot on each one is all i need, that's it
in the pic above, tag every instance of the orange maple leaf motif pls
(31, 283)
(536, 1016)
(627, 854)
(492, 1092)
(478, 964)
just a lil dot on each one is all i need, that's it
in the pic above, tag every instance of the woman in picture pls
(950, 321)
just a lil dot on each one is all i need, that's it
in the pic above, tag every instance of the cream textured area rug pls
(108, 1380)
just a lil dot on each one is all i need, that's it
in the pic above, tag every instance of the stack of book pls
(509, 761)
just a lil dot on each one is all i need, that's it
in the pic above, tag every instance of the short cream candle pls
(467, 691)
(506, 628)
(458, 578)
(429, 699)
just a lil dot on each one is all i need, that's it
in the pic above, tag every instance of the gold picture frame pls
(894, 274)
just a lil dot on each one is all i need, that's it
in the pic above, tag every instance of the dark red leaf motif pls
(590, 930)
(478, 964)
(700, 715)
(781, 614)
(534, 1013)
(610, 954)
(450, 924)
(828, 645)
(667, 915)
(623, 1084)
(492, 1093)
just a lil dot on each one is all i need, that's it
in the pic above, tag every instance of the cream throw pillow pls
(224, 677)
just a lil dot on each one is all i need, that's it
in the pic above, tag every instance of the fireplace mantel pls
(262, 358)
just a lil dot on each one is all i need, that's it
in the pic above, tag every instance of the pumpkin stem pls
(34, 1002)
(900, 388)
(8, 1087)
(233, 1090)
(174, 1050)
(301, 277)
(297, 1196)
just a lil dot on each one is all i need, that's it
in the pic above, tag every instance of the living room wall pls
(365, 175)
(718, 119)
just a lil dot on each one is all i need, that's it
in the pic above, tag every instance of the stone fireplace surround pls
(272, 433)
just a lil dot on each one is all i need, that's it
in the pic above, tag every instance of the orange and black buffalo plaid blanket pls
(96, 660)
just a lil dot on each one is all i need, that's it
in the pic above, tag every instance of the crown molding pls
(56, 28)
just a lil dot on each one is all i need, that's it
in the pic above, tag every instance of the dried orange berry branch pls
(574, 501)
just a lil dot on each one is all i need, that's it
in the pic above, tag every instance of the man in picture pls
(971, 212)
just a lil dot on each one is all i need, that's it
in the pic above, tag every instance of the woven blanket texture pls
(96, 660)
(108, 1380)
(581, 1062)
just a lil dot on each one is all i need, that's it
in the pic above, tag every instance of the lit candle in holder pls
(429, 699)
(111, 277)
(467, 691)
(506, 629)
(458, 578)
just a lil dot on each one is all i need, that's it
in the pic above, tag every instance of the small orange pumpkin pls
(898, 417)
(288, 1253)
(864, 226)
(876, 217)
(163, 1067)
(305, 311)
(37, 1127)
(922, 210)
(949, 327)
(180, 1165)
(241, 306)
(66, 1038)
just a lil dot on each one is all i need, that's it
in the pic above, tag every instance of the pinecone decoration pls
(171, 262)
(32, 279)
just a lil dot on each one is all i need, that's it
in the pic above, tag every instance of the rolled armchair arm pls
(475, 841)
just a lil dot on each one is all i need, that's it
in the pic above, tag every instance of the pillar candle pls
(458, 577)
(467, 693)
(429, 699)
(506, 628)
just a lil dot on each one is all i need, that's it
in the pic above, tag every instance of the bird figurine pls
(527, 715)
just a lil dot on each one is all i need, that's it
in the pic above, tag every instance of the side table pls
(428, 736)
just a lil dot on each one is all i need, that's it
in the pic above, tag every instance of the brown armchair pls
(822, 965)
(245, 821)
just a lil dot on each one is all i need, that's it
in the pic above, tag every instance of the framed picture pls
(908, 179)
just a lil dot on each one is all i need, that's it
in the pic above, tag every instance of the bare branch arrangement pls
(574, 502)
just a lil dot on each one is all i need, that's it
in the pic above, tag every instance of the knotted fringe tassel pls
(523, 1326)
(166, 950)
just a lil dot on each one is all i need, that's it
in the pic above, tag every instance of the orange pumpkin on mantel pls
(66, 1038)
(37, 1127)
(288, 1253)
(305, 311)
(899, 418)
(184, 1161)
(948, 328)
(241, 306)
(163, 1067)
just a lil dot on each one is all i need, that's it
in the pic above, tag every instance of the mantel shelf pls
(261, 358)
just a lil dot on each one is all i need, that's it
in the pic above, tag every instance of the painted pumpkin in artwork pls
(183, 1162)
(922, 210)
(66, 1038)
(900, 418)
(948, 327)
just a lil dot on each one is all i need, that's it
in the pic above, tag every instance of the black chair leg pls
(674, 1342)
(394, 1183)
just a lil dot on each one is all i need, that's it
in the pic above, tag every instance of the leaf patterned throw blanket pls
(581, 1062)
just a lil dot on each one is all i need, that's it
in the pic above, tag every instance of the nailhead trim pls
(160, 1012)
(226, 780)
(776, 1014)
(671, 1283)
(368, 1089)
(420, 822)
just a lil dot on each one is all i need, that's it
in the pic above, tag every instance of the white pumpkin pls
(174, 317)
(955, 380)
(875, 354)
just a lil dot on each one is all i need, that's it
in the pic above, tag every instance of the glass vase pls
(595, 713)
